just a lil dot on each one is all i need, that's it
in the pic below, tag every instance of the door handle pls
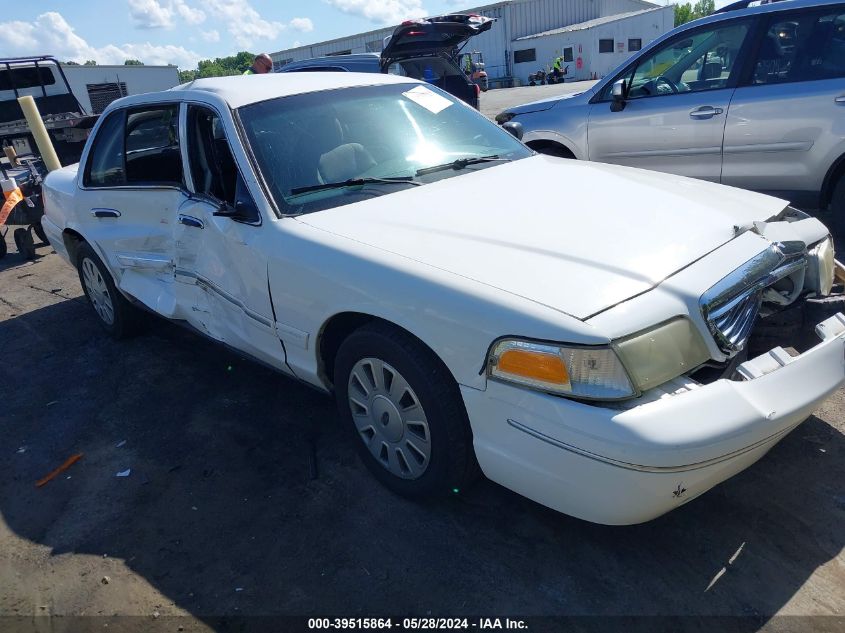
(840, 100)
(705, 112)
(188, 220)
(105, 213)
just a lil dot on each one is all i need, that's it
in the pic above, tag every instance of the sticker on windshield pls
(428, 99)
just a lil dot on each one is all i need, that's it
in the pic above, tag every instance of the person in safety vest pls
(261, 64)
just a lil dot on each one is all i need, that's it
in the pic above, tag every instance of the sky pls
(182, 32)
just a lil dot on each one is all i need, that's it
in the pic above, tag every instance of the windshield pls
(367, 141)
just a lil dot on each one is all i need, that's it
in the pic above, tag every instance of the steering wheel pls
(665, 80)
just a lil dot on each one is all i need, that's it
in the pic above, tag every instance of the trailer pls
(69, 98)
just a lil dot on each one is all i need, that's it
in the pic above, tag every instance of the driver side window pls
(213, 168)
(705, 60)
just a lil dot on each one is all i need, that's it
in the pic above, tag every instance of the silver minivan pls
(752, 97)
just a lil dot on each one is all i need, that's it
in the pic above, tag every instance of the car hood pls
(575, 236)
(549, 102)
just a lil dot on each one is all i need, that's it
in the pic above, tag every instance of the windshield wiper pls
(461, 163)
(355, 182)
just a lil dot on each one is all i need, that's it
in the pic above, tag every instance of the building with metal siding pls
(516, 20)
(595, 47)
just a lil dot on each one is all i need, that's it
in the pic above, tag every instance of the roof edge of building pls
(589, 24)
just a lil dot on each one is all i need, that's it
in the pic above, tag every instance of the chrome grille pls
(731, 306)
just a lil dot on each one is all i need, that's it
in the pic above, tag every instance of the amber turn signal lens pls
(534, 365)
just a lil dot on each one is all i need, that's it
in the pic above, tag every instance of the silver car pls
(750, 97)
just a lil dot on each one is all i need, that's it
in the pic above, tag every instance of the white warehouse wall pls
(585, 43)
(515, 18)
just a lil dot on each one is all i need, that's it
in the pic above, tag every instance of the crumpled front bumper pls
(629, 465)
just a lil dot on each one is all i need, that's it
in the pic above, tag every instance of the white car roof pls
(242, 90)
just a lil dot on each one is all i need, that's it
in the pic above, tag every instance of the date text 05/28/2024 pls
(427, 623)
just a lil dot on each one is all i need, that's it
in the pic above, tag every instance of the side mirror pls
(619, 90)
(245, 209)
(515, 128)
(225, 210)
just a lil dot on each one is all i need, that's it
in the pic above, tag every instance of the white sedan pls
(579, 331)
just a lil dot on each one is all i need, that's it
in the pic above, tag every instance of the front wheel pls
(115, 314)
(405, 411)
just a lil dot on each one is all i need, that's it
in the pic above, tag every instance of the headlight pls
(593, 372)
(662, 353)
(621, 370)
(820, 268)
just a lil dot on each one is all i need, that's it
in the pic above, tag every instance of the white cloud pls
(50, 31)
(244, 23)
(382, 11)
(211, 36)
(189, 14)
(161, 14)
(304, 25)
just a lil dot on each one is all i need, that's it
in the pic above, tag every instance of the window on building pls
(346, 52)
(606, 46)
(525, 55)
(567, 54)
(634, 44)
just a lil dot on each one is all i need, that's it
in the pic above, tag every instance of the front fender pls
(555, 137)
(314, 275)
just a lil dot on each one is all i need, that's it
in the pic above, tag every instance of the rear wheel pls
(115, 314)
(405, 411)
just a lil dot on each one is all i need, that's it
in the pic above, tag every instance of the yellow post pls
(39, 132)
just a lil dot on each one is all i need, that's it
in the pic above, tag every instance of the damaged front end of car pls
(771, 305)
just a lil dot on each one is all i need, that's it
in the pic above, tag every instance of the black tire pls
(3, 247)
(125, 316)
(837, 207)
(451, 464)
(39, 232)
(24, 243)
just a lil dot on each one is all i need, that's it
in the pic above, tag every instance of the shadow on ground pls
(220, 498)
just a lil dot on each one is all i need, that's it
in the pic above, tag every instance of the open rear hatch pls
(438, 35)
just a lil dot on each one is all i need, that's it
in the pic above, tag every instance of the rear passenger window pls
(105, 166)
(804, 47)
(152, 147)
(137, 147)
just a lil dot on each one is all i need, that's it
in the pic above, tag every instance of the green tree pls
(687, 12)
(187, 75)
(90, 62)
(683, 14)
(133, 62)
(71, 63)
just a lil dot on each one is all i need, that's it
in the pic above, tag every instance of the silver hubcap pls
(389, 418)
(98, 291)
